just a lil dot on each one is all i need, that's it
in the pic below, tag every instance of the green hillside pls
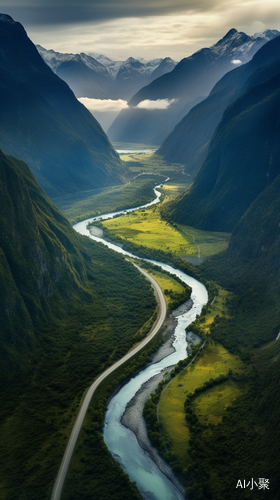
(68, 309)
(245, 444)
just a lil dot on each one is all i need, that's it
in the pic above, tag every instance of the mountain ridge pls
(43, 123)
(121, 79)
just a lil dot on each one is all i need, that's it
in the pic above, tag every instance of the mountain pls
(250, 268)
(167, 64)
(243, 156)
(247, 436)
(100, 77)
(188, 142)
(85, 75)
(192, 78)
(43, 123)
(196, 74)
(69, 307)
(134, 74)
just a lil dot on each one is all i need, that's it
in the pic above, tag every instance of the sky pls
(139, 28)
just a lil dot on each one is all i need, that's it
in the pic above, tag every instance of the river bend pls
(122, 443)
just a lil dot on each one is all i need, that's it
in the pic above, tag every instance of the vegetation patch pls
(153, 163)
(213, 360)
(137, 192)
(176, 292)
(146, 227)
(91, 460)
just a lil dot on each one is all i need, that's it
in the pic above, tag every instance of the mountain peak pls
(6, 19)
(230, 33)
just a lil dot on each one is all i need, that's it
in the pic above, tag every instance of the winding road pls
(80, 418)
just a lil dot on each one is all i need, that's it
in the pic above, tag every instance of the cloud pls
(103, 105)
(147, 28)
(47, 12)
(236, 61)
(158, 104)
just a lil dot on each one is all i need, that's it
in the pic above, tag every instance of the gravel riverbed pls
(132, 417)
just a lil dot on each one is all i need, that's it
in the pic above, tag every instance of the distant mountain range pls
(243, 156)
(42, 122)
(187, 84)
(99, 77)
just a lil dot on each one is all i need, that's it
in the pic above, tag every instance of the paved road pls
(80, 418)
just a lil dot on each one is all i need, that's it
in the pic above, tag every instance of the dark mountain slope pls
(68, 308)
(243, 159)
(45, 264)
(188, 142)
(248, 437)
(42, 122)
(251, 268)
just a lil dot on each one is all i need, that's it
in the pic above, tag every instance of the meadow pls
(146, 227)
(214, 360)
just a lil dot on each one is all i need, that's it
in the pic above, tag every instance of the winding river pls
(122, 443)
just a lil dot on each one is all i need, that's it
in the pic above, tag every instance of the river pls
(122, 443)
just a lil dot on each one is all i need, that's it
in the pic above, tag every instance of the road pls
(80, 418)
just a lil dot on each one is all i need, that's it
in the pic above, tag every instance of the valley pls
(140, 281)
(176, 438)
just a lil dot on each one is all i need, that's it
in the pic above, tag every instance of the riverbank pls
(132, 417)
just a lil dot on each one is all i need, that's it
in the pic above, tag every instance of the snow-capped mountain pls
(55, 59)
(86, 76)
(96, 75)
(240, 46)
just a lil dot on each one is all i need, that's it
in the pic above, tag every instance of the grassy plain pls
(214, 361)
(146, 227)
(170, 286)
(153, 163)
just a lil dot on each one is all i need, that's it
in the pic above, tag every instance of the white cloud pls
(158, 104)
(236, 61)
(103, 104)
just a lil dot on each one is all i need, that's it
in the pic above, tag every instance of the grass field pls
(214, 361)
(172, 189)
(169, 285)
(146, 227)
(149, 162)
(137, 191)
(218, 307)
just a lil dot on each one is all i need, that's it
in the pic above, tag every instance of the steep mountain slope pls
(247, 438)
(42, 122)
(84, 75)
(243, 159)
(193, 77)
(134, 74)
(68, 308)
(188, 141)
